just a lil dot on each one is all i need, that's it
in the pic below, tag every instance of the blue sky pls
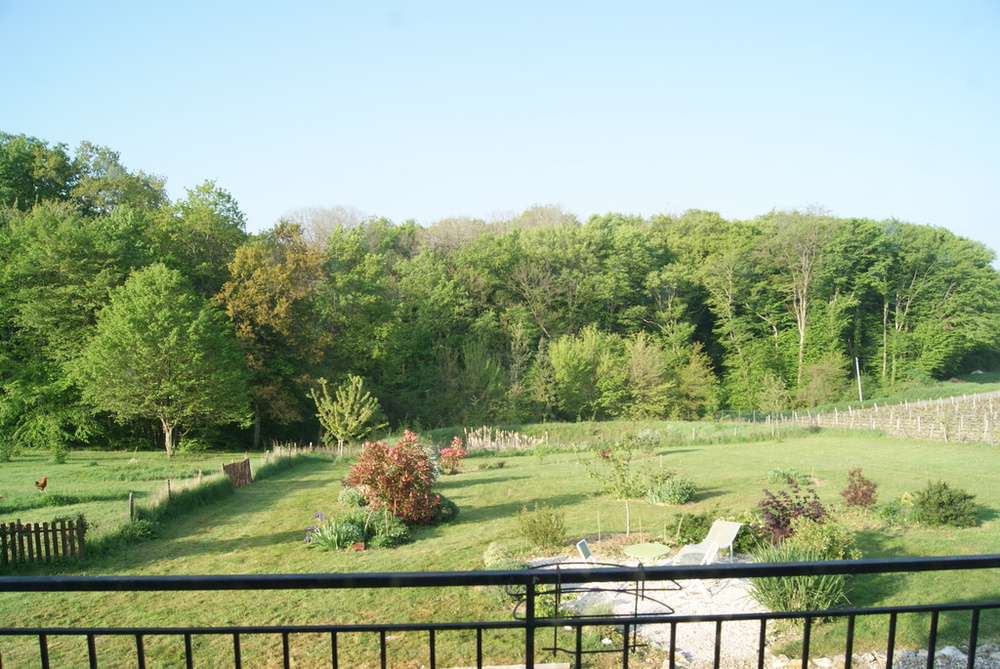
(427, 110)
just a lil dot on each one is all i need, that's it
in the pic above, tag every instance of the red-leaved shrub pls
(451, 456)
(398, 478)
(860, 491)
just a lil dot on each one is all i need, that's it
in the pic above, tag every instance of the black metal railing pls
(529, 586)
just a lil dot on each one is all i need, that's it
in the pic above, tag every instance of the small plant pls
(860, 492)
(612, 467)
(334, 534)
(809, 542)
(898, 512)
(352, 497)
(451, 457)
(938, 504)
(778, 511)
(677, 490)
(544, 527)
(789, 475)
(387, 531)
(491, 464)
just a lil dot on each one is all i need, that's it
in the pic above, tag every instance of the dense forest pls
(127, 318)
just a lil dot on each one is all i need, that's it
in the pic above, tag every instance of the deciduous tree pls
(161, 352)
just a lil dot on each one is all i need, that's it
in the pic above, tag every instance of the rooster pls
(41, 484)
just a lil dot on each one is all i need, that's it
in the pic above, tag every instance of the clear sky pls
(481, 108)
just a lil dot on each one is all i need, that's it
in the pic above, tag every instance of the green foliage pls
(544, 526)
(137, 531)
(677, 490)
(349, 415)
(335, 534)
(899, 512)
(445, 511)
(787, 475)
(690, 528)
(352, 497)
(532, 319)
(939, 504)
(809, 542)
(184, 499)
(381, 528)
(612, 467)
(162, 353)
(496, 553)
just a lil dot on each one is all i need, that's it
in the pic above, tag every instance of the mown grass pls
(260, 529)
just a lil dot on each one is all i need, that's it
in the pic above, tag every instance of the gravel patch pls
(695, 642)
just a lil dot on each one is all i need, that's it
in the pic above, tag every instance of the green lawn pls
(260, 529)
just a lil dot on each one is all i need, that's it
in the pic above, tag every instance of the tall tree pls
(31, 172)
(162, 352)
(270, 302)
(103, 184)
(200, 234)
(56, 269)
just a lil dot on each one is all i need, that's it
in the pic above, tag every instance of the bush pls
(444, 512)
(691, 528)
(491, 464)
(677, 490)
(451, 457)
(939, 504)
(398, 478)
(352, 497)
(777, 512)
(809, 542)
(544, 527)
(387, 531)
(898, 511)
(860, 492)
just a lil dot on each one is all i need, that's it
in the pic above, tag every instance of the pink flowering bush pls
(452, 456)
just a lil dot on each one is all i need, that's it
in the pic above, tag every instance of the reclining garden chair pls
(720, 537)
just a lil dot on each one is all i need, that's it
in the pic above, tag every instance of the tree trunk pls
(256, 426)
(168, 436)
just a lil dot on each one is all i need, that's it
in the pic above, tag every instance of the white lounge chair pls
(720, 537)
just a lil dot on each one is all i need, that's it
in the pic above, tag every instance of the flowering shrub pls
(451, 456)
(397, 478)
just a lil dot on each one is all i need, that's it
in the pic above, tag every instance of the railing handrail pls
(485, 577)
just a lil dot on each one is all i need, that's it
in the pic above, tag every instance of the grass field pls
(260, 529)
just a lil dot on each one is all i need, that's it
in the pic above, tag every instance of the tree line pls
(127, 316)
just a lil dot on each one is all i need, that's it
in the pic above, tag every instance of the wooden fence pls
(239, 473)
(966, 418)
(41, 542)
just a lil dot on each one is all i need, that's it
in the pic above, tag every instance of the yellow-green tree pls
(350, 414)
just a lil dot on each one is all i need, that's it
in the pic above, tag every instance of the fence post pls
(529, 625)
(131, 507)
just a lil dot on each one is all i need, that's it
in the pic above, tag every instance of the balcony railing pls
(529, 631)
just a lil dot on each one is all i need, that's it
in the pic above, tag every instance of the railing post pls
(529, 624)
